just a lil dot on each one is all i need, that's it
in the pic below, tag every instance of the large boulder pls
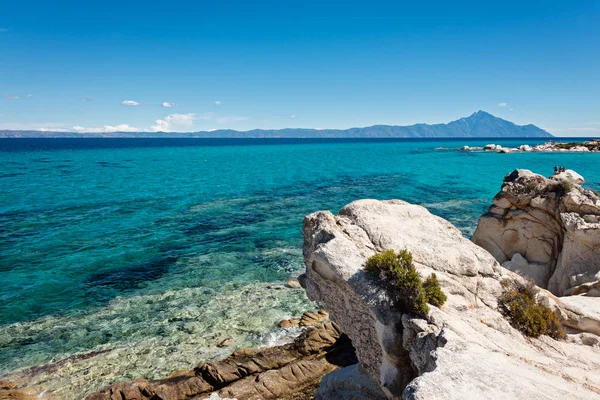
(550, 225)
(466, 349)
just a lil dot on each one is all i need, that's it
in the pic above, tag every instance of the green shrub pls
(520, 304)
(433, 291)
(566, 186)
(396, 273)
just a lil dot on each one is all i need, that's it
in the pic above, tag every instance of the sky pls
(205, 65)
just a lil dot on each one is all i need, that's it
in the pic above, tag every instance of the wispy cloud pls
(174, 123)
(131, 103)
(106, 129)
(293, 116)
(29, 96)
(85, 99)
(168, 105)
(505, 105)
(11, 96)
(217, 102)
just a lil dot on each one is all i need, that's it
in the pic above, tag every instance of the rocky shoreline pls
(591, 146)
(290, 371)
(542, 229)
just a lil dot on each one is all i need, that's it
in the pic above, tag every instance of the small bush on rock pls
(433, 291)
(566, 186)
(520, 304)
(397, 274)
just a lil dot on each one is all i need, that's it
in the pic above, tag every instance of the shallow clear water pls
(120, 244)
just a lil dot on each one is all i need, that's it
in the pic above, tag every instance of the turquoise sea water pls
(117, 244)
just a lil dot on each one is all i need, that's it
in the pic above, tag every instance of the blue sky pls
(276, 64)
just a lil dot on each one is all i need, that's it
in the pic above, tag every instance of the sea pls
(127, 258)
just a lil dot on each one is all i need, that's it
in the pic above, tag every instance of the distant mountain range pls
(479, 125)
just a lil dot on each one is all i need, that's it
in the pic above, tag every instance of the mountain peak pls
(480, 124)
(481, 113)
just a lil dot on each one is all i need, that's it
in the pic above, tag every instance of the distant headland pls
(478, 125)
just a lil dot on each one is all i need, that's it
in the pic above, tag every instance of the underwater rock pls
(267, 373)
(289, 323)
(294, 284)
(226, 342)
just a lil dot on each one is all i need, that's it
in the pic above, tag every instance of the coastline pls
(590, 146)
(236, 231)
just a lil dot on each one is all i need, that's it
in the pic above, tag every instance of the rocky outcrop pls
(548, 147)
(466, 349)
(547, 229)
(282, 372)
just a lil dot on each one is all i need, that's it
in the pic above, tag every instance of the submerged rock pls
(551, 225)
(270, 373)
(464, 350)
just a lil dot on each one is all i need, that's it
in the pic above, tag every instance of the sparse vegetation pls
(566, 186)
(520, 303)
(591, 145)
(433, 291)
(397, 274)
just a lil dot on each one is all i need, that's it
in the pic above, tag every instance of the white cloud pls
(293, 116)
(174, 122)
(217, 102)
(131, 103)
(85, 99)
(29, 96)
(505, 105)
(11, 96)
(106, 128)
(168, 105)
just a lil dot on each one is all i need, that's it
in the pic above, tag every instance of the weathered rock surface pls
(466, 349)
(251, 374)
(10, 391)
(547, 229)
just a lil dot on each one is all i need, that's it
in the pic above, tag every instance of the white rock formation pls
(466, 349)
(554, 224)
(569, 175)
